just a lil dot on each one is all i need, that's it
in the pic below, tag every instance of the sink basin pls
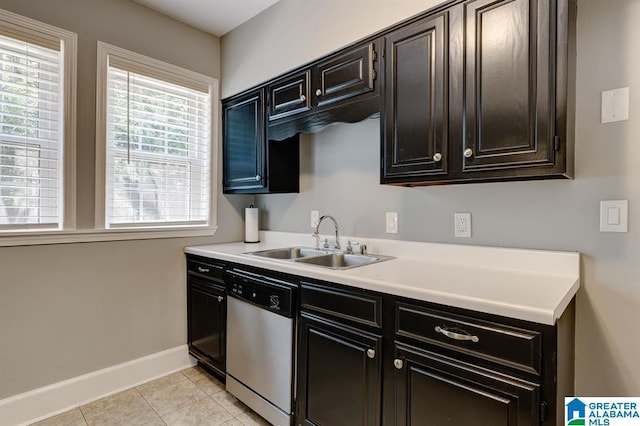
(324, 258)
(290, 253)
(341, 260)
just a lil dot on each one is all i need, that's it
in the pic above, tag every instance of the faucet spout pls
(335, 223)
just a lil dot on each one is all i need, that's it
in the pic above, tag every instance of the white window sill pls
(30, 238)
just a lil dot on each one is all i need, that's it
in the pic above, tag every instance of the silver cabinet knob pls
(371, 353)
(319, 92)
(437, 157)
(220, 298)
(258, 177)
(468, 153)
(201, 269)
(303, 98)
(398, 363)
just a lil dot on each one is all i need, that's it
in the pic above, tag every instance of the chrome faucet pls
(316, 233)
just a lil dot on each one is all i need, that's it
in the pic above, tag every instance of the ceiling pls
(213, 16)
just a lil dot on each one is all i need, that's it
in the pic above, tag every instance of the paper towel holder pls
(251, 225)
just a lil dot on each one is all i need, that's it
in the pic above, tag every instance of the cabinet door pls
(509, 112)
(345, 76)
(435, 390)
(289, 96)
(415, 104)
(339, 375)
(206, 306)
(244, 142)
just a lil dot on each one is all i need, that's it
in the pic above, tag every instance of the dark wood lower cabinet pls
(431, 389)
(368, 358)
(339, 374)
(207, 323)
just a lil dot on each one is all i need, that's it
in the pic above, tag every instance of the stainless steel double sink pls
(331, 259)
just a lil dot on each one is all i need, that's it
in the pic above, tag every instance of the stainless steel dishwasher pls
(260, 336)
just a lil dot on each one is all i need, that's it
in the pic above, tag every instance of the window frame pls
(174, 74)
(36, 32)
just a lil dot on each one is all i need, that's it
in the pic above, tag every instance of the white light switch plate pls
(392, 223)
(614, 215)
(615, 105)
(315, 217)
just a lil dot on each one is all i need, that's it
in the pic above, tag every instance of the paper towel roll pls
(251, 225)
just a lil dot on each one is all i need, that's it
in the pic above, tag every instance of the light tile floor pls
(190, 397)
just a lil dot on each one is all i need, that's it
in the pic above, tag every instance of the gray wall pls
(70, 309)
(340, 170)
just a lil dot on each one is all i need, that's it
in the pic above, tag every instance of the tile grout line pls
(207, 396)
(150, 406)
(233, 417)
(83, 416)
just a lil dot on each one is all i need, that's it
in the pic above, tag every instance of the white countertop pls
(531, 285)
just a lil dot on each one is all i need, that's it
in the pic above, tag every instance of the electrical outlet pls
(462, 223)
(392, 223)
(315, 217)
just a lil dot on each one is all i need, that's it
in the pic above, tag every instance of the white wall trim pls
(38, 404)
(91, 236)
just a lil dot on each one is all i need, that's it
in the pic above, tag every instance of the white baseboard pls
(38, 404)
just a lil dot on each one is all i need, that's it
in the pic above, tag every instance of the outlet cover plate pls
(615, 105)
(462, 222)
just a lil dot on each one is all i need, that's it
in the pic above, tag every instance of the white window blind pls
(31, 135)
(158, 142)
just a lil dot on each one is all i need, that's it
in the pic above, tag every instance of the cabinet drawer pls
(345, 76)
(502, 344)
(206, 268)
(289, 96)
(359, 307)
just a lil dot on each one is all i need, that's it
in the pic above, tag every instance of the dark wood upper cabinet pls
(289, 95)
(484, 87)
(251, 163)
(415, 101)
(509, 82)
(343, 88)
(468, 91)
(344, 76)
(243, 142)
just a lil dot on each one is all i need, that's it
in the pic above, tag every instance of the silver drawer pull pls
(201, 269)
(456, 336)
(398, 363)
(371, 353)
(220, 298)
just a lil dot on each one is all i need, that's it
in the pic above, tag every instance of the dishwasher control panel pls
(270, 294)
